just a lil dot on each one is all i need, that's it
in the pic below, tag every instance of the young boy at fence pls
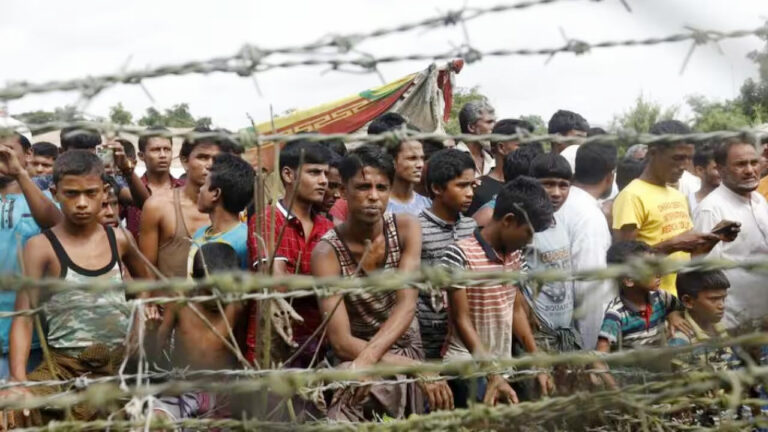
(87, 330)
(304, 173)
(485, 315)
(378, 328)
(450, 178)
(44, 154)
(110, 209)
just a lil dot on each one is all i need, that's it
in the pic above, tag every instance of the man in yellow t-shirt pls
(650, 211)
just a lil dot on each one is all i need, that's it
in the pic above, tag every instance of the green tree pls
(204, 122)
(539, 126)
(36, 117)
(177, 116)
(461, 95)
(152, 117)
(119, 115)
(753, 95)
(712, 116)
(643, 115)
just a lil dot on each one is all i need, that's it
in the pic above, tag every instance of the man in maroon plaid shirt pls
(297, 215)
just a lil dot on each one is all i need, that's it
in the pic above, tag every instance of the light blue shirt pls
(236, 237)
(417, 204)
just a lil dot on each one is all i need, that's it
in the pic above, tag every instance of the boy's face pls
(157, 154)
(409, 162)
(367, 195)
(81, 197)
(457, 194)
(207, 198)
(708, 174)
(515, 234)
(199, 162)
(40, 165)
(709, 305)
(333, 191)
(313, 182)
(110, 209)
(557, 189)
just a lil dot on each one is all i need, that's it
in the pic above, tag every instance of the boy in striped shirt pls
(487, 314)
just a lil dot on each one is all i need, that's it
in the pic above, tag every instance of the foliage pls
(66, 113)
(643, 115)
(461, 96)
(119, 115)
(753, 95)
(712, 116)
(177, 116)
(539, 126)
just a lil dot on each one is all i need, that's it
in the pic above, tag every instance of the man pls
(589, 234)
(168, 224)
(688, 183)
(304, 174)
(651, 211)
(477, 118)
(568, 124)
(705, 168)
(156, 151)
(736, 200)
(490, 184)
(44, 154)
(374, 328)
(24, 209)
(409, 165)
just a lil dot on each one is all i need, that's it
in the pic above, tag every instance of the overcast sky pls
(44, 40)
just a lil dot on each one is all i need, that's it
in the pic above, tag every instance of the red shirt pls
(133, 213)
(296, 250)
(339, 210)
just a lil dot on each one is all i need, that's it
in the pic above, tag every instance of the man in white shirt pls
(589, 234)
(568, 124)
(478, 118)
(736, 200)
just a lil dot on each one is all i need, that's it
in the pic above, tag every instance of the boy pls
(705, 168)
(374, 328)
(703, 295)
(44, 154)
(486, 316)
(227, 190)
(83, 341)
(409, 163)
(110, 209)
(333, 191)
(450, 176)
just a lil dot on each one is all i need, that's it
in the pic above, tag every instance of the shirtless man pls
(167, 225)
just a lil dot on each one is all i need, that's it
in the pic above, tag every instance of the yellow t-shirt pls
(762, 187)
(659, 212)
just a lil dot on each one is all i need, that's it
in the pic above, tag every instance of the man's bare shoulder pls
(157, 206)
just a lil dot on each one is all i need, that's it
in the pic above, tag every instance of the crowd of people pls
(81, 213)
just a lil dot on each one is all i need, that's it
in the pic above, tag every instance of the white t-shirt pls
(570, 155)
(590, 239)
(747, 298)
(688, 184)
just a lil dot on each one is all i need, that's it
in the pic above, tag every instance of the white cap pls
(11, 123)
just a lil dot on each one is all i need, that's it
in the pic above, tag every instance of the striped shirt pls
(629, 326)
(491, 304)
(436, 236)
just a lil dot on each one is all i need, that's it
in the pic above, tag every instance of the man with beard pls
(737, 200)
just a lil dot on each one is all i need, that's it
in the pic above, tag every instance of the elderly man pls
(736, 200)
(478, 118)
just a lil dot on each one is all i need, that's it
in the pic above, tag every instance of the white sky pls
(44, 40)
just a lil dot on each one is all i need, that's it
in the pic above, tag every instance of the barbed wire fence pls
(658, 403)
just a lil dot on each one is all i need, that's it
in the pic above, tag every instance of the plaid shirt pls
(133, 213)
(295, 249)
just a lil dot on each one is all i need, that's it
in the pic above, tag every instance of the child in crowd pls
(44, 154)
(110, 209)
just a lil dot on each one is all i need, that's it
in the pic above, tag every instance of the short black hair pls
(214, 257)
(668, 127)
(192, 143)
(622, 252)
(77, 163)
(430, 147)
(564, 121)
(704, 155)
(595, 131)
(447, 165)
(694, 282)
(510, 127)
(153, 132)
(386, 122)
(527, 200)
(79, 138)
(627, 170)
(367, 155)
(45, 149)
(128, 148)
(550, 165)
(518, 162)
(113, 184)
(594, 161)
(234, 176)
(336, 146)
(721, 150)
(313, 153)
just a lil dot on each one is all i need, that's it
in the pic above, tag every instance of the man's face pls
(367, 195)
(506, 147)
(333, 191)
(206, 199)
(409, 162)
(557, 189)
(313, 182)
(515, 234)
(457, 194)
(740, 173)
(484, 125)
(40, 165)
(709, 305)
(12, 142)
(708, 174)
(157, 154)
(110, 210)
(670, 162)
(81, 197)
(199, 163)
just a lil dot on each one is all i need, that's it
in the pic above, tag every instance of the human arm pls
(150, 227)
(604, 346)
(136, 193)
(521, 328)
(43, 210)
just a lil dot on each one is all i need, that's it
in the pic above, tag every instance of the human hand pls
(727, 230)
(121, 160)
(499, 389)
(282, 316)
(153, 316)
(546, 384)
(695, 242)
(10, 165)
(438, 393)
(676, 322)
